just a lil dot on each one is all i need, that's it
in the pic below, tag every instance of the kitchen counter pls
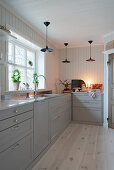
(6, 104)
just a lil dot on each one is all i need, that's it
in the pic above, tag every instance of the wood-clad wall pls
(79, 68)
(13, 21)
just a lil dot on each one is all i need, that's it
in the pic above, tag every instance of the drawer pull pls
(15, 120)
(15, 146)
(15, 111)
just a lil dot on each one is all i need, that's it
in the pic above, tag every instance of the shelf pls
(5, 36)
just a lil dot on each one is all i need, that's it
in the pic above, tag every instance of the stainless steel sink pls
(49, 95)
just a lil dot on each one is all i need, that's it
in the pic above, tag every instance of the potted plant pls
(35, 78)
(16, 79)
(66, 84)
(30, 63)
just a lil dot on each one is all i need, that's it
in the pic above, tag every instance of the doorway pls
(110, 91)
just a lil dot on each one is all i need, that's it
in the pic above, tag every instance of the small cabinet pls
(18, 156)
(41, 127)
(87, 109)
(60, 114)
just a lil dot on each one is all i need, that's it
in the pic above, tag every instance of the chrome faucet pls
(35, 78)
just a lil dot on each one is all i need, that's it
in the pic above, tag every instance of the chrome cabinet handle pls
(15, 120)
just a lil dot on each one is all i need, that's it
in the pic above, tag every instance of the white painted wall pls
(108, 37)
(10, 19)
(79, 68)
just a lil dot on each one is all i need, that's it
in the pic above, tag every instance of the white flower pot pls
(16, 85)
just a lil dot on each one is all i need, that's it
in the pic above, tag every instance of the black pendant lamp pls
(66, 61)
(90, 59)
(46, 48)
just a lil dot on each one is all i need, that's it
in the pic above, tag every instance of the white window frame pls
(25, 47)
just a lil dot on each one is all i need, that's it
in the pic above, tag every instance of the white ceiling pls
(73, 21)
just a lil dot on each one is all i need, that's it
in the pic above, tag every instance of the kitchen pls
(43, 124)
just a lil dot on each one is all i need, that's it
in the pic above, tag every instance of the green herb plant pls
(30, 63)
(35, 77)
(16, 76)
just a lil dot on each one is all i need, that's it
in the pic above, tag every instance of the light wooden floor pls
(81, 147)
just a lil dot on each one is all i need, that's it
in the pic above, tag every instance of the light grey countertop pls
(6, 104)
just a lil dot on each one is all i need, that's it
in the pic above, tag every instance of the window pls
(18, 58)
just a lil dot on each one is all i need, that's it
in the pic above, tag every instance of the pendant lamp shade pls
(66, 61)
(46, 48)
(90, 59)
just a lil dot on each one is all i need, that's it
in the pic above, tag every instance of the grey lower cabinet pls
(18, 156)
(41, 127)
(27, 130)
(60, 114)
(68, 110)
(16, 137)
(87, 109)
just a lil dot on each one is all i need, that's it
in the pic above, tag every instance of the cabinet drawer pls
(57, 109)
(87, 104)
(4, 114)
(86, 97)
(14, 133)
(56, 102)
(87, 115)
(18, 156)
(15, 120)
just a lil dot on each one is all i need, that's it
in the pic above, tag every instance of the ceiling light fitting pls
(90, 59)
(66, 61)
(46, 48)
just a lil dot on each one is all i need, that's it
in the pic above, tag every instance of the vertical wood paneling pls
(79, 68)
(10, 19)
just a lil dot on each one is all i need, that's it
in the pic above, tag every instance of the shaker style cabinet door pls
(41, 127)
(18, 156)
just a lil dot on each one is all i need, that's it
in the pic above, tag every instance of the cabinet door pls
(68, 110)
(41, 127)
(75, 113)
(55, 125)
(18, 156)
(89, 115)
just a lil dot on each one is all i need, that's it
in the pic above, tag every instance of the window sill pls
(8, 94)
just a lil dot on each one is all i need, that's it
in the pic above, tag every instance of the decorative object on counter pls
(47, 48)
(30, 63)
(92, 94)
(97, 87)
(35, 79)
(66, 61)
(88, 85)
(66, 85)
(16, 79)
(90, 59)
(26, 85)
(76, 84)
(84, 87)
(36, 82)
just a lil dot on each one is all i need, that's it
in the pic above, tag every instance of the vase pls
(16, 85)
(36, 85)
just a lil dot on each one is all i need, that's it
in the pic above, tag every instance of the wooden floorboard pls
(81, 147)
